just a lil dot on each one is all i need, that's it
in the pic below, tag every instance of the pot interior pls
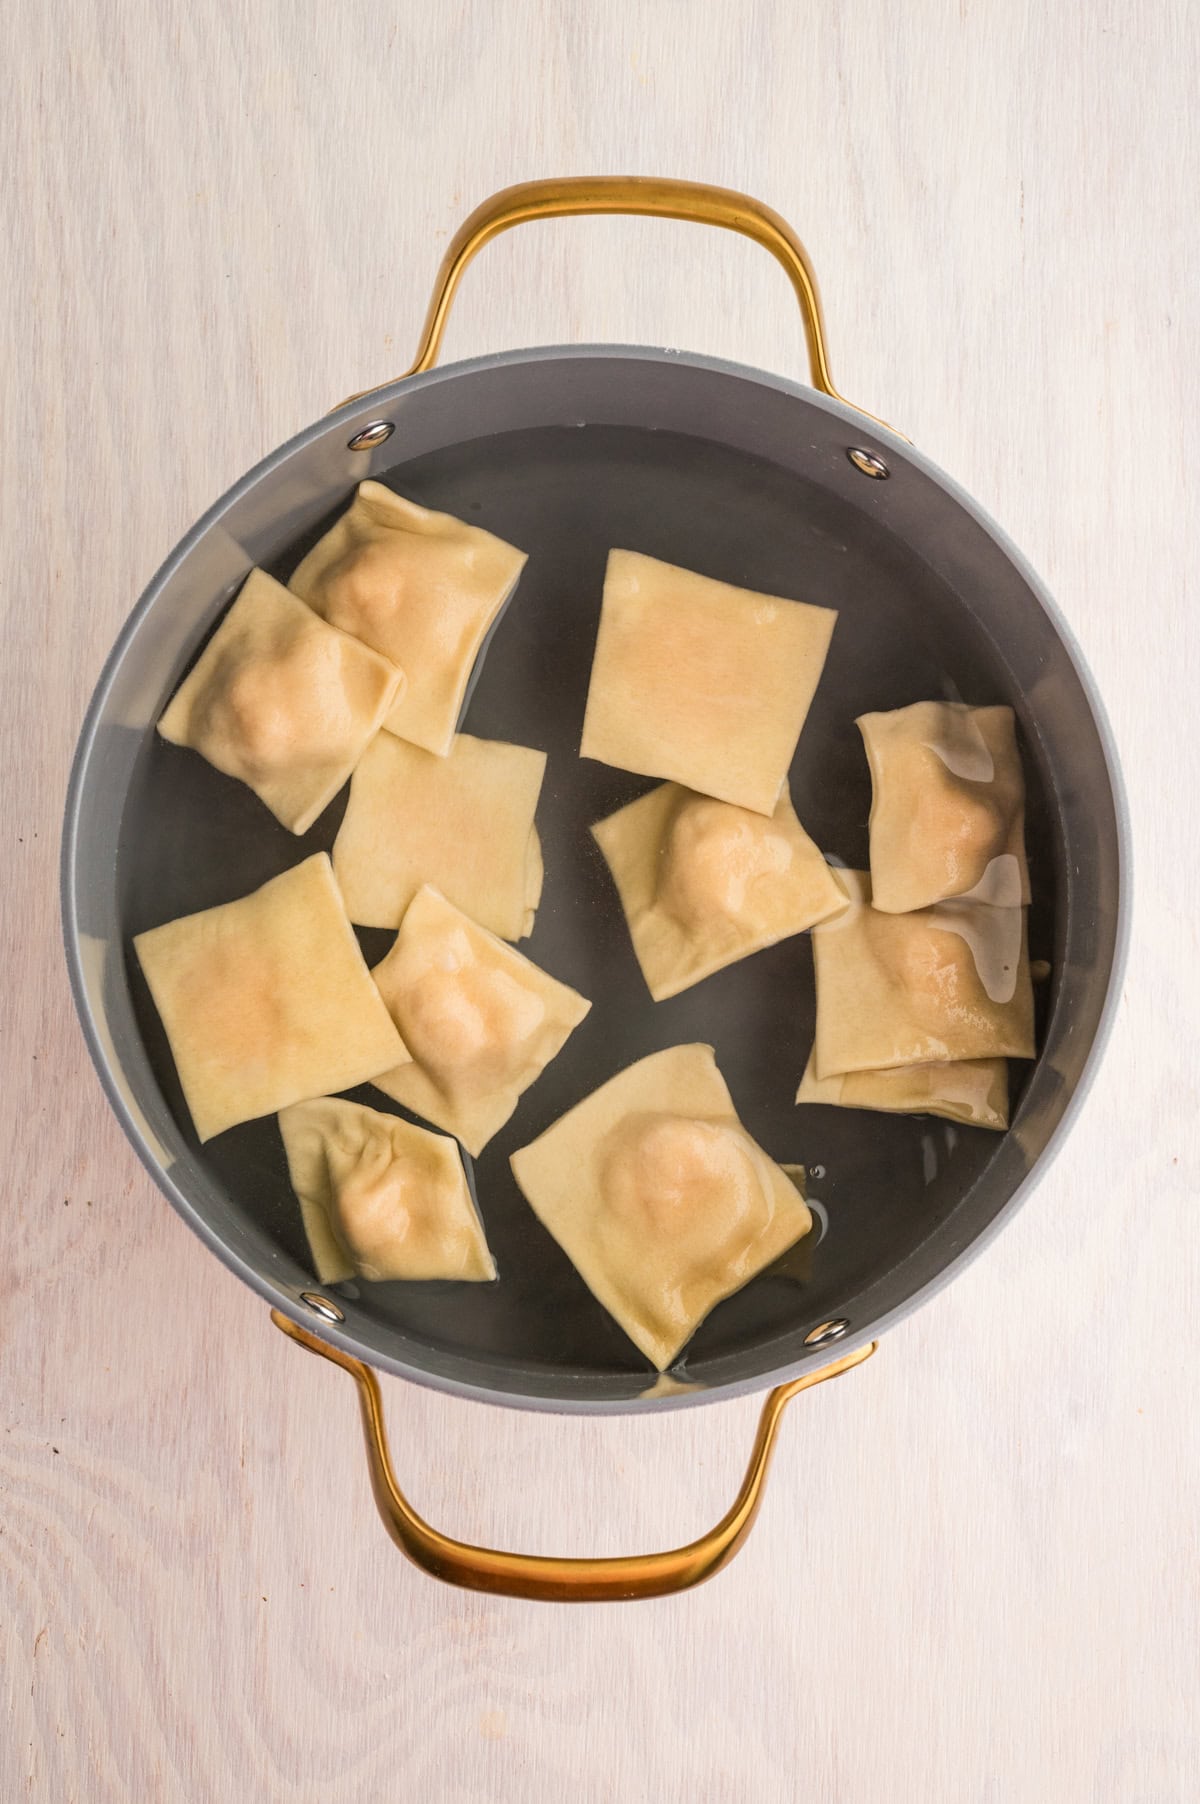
(898, 1198)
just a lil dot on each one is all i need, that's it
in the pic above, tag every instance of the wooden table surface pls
(977, 1571)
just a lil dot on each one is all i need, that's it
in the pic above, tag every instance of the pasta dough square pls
(420, 587)
(947, 983)
(947, 808)
(704, 883)
(268, 1001)
(282, 701)
(380, 1197)
(701, 682)
(463, 824)
(482, 1021)
(973, 1091)
(660, 1198)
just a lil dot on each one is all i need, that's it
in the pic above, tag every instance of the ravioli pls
(481, 1020)
(380, 1197)
(701, 682)
(463, 823)
(282, 701)
(660, 1198)
(943, 984)
(704, 883)
(948, 806)
(267, 1001)
(420, 587)
(972, 1091)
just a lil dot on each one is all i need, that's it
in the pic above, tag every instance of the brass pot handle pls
(553, 1579)
(562, 197)
(567, 196)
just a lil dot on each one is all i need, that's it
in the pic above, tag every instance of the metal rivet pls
(375, 432)
(868, 463)
(321, 1306)
(824, 1332)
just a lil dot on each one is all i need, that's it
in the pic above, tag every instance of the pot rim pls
(356, 413)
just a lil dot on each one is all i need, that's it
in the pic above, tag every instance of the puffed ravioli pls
(943, 984)
(972, 1091)
(482, 1021)
(948, 806)
(420, 587)
(701, 682)
(660, 1198)
(283, 701)
(268, 1001)
(704, 883)
(463, 823)
(380, 1197)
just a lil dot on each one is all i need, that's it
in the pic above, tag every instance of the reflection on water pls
(994, 935)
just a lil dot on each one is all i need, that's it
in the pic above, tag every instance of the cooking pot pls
(748, 477)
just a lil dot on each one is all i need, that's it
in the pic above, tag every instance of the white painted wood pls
(975, 1576)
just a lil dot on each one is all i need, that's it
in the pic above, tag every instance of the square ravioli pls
(944, 984)
(420, 587)
(463, 824)
(701, 682)
(973, 1091)
(481, 1021)
(267, 1001)
(282, 701)
(659, 1197)
(704, 883)
(380, 1197)
(947, 806)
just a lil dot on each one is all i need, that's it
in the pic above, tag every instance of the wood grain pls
(975, 1576)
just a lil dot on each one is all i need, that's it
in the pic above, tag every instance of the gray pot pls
(748, 476)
